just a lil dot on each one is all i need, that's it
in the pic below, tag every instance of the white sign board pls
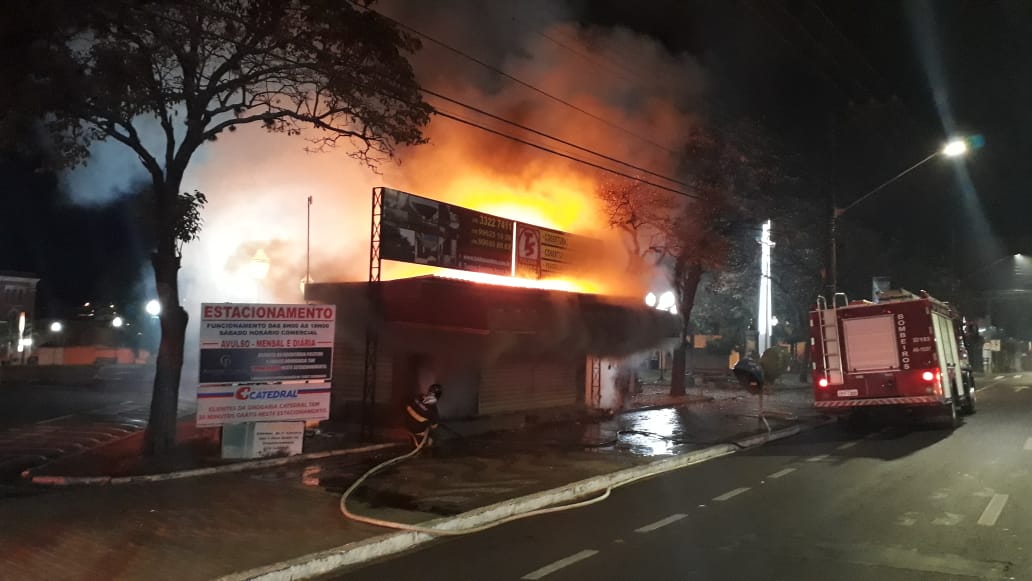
(244, 343)
(277, 439)
(233, 404)
(993, 345)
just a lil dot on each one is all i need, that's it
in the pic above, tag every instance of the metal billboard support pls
(595, 382)
(368, 419)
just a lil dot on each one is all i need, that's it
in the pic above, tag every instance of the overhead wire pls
(551, 137)
(457, 118)
(516, 80)
(464, 121)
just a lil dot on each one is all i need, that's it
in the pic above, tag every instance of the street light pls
(153, 308)
(117, 322)
(666, 300)
(955, 147)
(56, 327)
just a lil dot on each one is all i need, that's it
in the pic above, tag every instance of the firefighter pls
(421, 415)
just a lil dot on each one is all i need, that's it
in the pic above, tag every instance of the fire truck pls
(903, 351)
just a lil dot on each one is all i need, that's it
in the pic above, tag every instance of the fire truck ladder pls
(831, 347)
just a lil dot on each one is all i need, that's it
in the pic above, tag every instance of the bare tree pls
(96, 71)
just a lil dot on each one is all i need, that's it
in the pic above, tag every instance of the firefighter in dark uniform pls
(421, 415)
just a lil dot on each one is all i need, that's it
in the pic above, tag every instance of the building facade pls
(17, 296)
(496, 349)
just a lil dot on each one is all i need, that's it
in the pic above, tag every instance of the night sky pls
(856, 90)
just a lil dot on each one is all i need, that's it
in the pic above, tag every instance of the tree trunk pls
(687, 284)
(161, 428)
(677, 373)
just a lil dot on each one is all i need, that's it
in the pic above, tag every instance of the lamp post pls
(954, 148)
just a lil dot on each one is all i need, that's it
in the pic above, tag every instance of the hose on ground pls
(455, 532)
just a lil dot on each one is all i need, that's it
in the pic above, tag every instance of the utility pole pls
(954, 148)
(308, 245)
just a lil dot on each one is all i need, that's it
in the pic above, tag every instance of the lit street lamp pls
(56, 327)
(956, 147)
(153, 307)
(117, 322)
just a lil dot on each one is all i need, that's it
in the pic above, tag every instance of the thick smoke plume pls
(257, 183)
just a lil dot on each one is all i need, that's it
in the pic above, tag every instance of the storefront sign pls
(242, 343)
(219, 405)
(277, 439)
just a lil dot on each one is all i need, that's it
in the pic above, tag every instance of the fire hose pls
(469, 530)
(455, 532)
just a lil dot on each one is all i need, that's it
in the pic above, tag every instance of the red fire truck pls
(904, 350)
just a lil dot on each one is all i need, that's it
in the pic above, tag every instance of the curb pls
(331, 560)
(237, 467)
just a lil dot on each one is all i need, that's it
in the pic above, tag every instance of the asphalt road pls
(30, 403)
(888, 503)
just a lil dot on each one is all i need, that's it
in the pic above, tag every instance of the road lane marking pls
(817, 458)
(560, 564)
(993, 510)
(998, 378)
(781, 473)
(948, 519)
(1018, 376)
(846, 446)
(1028, 444)
(661, 523)
(731, 494)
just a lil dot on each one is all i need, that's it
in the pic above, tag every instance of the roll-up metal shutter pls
(517, 386)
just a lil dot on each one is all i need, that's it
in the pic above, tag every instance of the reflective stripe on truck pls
(905, 400)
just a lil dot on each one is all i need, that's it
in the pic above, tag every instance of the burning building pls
(497, 349)
(499, 342)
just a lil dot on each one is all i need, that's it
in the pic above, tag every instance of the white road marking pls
(998, 377)
(846, 446)
(1028, 444)
(560, 564)
(731, 494)
(948, 519)
(993, 510)
(1018, 376)
(661, 523)
(817, 458)
(781, 473)
(1020, 388)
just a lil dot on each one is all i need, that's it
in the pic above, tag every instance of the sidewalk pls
(206, 527)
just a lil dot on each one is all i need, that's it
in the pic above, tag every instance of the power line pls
(553, 138)
(464, 121)
(516, 80)
(537, 132)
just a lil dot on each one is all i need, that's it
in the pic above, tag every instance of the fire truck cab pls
(905, 350)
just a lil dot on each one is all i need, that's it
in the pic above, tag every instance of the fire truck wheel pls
(948, 417)
(967, 407)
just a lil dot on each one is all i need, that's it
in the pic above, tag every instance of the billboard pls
(423, 231)
(546, 253)
(244, 343)
(219, 405)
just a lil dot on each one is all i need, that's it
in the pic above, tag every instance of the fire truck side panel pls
(890, 355)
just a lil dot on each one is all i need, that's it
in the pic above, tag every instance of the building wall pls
(17, 295)
(476, 382)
